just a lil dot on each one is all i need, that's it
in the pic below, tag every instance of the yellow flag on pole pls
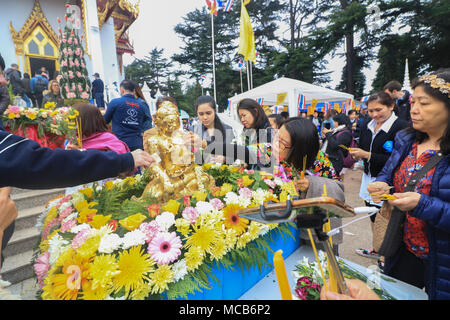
(312, 107)
(247, 37)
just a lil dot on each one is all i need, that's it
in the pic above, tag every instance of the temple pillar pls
(93, 37)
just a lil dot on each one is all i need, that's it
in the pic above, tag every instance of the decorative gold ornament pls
(437, 83)
(175, 173)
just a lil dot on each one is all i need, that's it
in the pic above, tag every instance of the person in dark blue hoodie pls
(127, 116)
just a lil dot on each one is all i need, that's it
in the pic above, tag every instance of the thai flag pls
(213, 6)
(260, 101)
(228, 6)
(327, 106)
(229, 105)
(240, 65)
(301, 103)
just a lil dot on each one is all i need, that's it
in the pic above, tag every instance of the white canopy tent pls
(294, 88)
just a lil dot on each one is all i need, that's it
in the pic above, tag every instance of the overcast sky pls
(155, 28)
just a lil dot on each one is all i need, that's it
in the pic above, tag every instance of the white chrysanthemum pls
(231, 198)
(133, 238)
(259, 196)
(244, 201)
(263, 229)
(71, 216)
(103, 231)
(80, 227)
(110, 243)
(57, 245)
(278, 181)
(76, 198)
(165, 220)
(204, 207)
(180, 270)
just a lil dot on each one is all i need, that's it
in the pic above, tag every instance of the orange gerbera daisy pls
(232, 220)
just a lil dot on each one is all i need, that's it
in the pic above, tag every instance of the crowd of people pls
(393, 136)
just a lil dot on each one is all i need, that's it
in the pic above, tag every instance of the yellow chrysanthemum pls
(11, 115)
(52, 214)
(225, 188)
(90, 247)
(44, 246)
(253, 230)
(223, 167)
(194, 258)
(199, 195)
(129, 181)
(99, 221)
(203, 237)
(234, 169)
(289, 187)
(283, 196)
(161, 278)
(232, 220)
(183, 226)
(247, 181)
(220, 249)
(132, 222)
(108, 185)
(172, 206)
(87, 192)
(242, 240)
(65, 283)
(88, 293)
(102, 271)
(230, 238)
(50, 105)
(31, 115)
(134, 267)
(207, 166)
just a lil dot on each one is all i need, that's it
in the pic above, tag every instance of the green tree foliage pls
(152, 69)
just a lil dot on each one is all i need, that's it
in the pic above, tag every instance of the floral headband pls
(437, 83)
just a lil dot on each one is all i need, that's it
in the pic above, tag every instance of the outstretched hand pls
(357, 289)
(142, 158)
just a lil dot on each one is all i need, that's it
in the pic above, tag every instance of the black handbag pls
(393, 237)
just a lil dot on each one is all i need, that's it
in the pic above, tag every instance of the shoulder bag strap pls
(415, 179)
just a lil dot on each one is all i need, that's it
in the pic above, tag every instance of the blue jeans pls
(99, 100)
(27, 100)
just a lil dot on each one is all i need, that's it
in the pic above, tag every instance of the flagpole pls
(248, 75)
(214, 62)
(251, 74)
(242, 87)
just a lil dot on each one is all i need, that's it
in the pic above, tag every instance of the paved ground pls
(359, 234)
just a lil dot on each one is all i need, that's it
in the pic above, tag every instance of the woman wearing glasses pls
(297, 138)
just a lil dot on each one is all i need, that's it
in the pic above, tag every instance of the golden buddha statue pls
(174, 174)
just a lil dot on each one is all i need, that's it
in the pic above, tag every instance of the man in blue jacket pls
(127, 116)
(97, 91)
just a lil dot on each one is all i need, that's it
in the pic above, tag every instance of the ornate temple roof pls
(124, 13)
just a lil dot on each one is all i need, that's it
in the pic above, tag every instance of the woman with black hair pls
(423, 257)
(334, 138)
(296, 139)
(257, 132)
(209, 128)
(276, 120)
(376, 142)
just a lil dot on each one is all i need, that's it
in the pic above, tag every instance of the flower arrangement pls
(57, 121)
(309, 281)
(104, 243)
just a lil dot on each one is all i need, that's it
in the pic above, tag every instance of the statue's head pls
(167, 117)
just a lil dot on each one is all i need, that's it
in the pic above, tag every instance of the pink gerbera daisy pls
(165, 247)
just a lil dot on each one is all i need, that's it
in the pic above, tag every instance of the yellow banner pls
(312, 107)
(247, 37)
(281, 97)
(337, 107)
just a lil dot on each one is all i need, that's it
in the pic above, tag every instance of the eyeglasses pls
(283, 144)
